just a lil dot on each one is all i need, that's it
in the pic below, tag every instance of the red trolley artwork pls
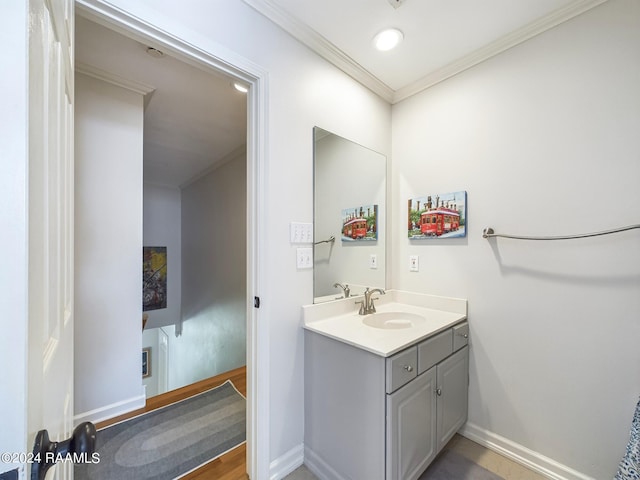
(436, 222)
(360, 223)
(355, 228)
(442, 215)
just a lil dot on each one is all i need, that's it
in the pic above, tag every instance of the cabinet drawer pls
(434, 349)
(460, 336)
(401, 368)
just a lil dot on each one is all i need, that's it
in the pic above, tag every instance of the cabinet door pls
(411, 428)
(452, 395)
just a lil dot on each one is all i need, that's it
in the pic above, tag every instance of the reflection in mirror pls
(349, 183)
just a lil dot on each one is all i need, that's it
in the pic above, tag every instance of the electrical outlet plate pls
(414, 263)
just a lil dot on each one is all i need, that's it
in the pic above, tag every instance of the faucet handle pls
(346, 291)
(372, 307)
(362, 307)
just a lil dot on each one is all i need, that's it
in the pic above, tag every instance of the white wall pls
(214, 266)
(162, 228)
(544, 138)
(108, 245)
(303, 91)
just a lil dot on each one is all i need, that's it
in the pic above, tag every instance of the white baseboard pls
(287, 463)
(520, 454)
(111, 411)
(319, 467)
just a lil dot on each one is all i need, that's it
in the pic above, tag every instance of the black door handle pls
(46, 452)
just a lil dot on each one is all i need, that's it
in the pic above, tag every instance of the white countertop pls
(340, 320)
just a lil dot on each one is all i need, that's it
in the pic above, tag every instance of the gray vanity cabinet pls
(376, 418)
(452, 395)
(423, 415)
(411, 427)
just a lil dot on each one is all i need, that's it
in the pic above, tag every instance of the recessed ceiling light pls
(154, 52)
(387, 39)
(240, 87)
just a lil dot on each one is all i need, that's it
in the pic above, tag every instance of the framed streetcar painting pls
(440, 215)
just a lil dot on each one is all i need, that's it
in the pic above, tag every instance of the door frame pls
(220, 59)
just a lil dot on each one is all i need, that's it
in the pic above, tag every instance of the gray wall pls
(544, 138)
(162, 218)
(214, 267)
(108, 273)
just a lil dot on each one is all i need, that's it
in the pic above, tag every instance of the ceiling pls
(194, 119)
(441, 37)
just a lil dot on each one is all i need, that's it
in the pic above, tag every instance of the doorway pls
(257, 386)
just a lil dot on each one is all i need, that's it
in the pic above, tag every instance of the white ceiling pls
(441, 37)
(194, 119)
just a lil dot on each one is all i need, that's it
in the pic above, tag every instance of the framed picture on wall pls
(438, 215)
(154, 278)
(360, 223)
(146, 362)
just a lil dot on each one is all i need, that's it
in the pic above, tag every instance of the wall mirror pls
(349, 217)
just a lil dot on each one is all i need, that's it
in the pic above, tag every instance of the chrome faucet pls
(366, 305)
(345, 289)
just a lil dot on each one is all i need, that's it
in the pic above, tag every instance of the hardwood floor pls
(231, 465)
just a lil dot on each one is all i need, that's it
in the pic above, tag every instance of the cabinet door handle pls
(408, 368)
(439, 392)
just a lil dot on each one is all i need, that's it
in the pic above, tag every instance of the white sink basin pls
(393, 320)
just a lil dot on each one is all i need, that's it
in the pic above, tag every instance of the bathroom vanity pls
(383, 392)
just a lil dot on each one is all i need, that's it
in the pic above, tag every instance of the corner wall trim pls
(287, 463)
(111, 411)
(520, 454)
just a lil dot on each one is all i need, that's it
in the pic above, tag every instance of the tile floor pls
(492, 461)
(488, 459)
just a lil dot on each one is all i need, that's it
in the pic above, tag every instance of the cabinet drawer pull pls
(465, 335)
(408, 368)
(439, 392)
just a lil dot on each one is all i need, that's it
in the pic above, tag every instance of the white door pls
(50, 211)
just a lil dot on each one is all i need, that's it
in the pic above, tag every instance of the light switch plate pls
(414, 263)
(304, 257)
(373, 261)
(301, 232)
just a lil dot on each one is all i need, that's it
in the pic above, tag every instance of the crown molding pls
(114, 79)
(320, 45)
(492, 49)
(338, 58)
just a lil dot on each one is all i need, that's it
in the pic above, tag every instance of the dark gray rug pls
(167, 443)
(450, 465)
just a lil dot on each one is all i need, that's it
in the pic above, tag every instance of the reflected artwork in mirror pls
(349, 186)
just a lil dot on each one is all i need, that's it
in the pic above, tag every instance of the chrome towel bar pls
(489, 233)
(331, 239)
